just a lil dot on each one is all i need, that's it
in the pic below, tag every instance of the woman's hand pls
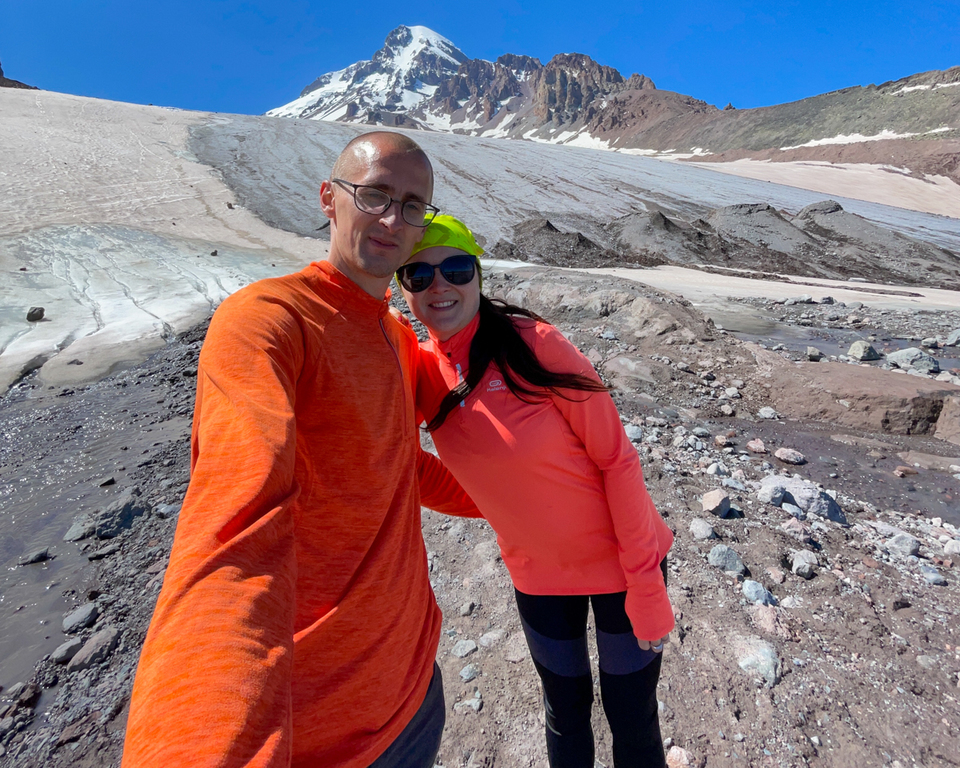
(656, 646)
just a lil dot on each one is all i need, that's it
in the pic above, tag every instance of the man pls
(296, 625)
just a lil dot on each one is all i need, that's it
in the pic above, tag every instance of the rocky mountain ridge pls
(6, 82)
(421, 80)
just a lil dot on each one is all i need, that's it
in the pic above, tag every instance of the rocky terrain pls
(421, 80)
(814, 573)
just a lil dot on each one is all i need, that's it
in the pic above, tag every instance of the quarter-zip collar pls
(350, 296)
(457, 348)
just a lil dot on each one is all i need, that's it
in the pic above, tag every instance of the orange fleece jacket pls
(558, 479)
(296, 625)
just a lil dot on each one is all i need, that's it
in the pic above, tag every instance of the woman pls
(528, 429)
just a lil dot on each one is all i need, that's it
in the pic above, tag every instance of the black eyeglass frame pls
(402, 275)
(429, 214)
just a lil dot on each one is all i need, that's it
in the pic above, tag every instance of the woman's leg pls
(556, 627)
(628, 687)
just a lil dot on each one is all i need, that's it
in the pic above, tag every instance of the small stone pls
(756, 593)
(469, 705)
(81, 618)
(67, 651)
(903, 545)
(804, 563)
(464, 648)
(758, 657)
(952, 547)
(715, 502)
(469, 673)
(794, 510)
(679, 758)
(83, 527)
(732, 392)
(37, 556)
(756, 446)
(634, 433)
(166, 511)
(727, 410)
(35, 314)
(814, 355)
(721, 441)
(492, 638)
(861, 350)
(721, 556)
(932, 576)
(100, 554)
(467, 608)
(790, 456)
(701, 530)
(776, 575)
(795, 528)
(768, 413)
(120, 515)
(97, 648)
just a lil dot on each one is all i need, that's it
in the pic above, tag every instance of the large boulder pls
(781, 489)
(867, 398)
(914, 357)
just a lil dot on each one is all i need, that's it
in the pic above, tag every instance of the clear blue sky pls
(248, 57)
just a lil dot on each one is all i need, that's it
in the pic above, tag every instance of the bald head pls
(369, 148)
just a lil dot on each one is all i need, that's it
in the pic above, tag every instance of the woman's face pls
(444, 308)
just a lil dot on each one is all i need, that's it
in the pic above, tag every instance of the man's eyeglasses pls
(418, 276)
(376, 201)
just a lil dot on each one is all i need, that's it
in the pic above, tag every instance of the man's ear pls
(326, 201)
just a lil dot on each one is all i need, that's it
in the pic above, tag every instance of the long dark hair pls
(498, 341)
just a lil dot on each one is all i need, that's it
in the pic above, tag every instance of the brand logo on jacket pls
(496, 385)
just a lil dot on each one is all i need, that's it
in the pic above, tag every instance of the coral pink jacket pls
(558, 479)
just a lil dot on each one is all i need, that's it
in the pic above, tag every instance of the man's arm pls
(440, 491)
(213, 684)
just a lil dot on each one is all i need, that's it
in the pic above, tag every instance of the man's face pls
(368, 248)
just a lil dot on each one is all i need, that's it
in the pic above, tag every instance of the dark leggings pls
(555, 627)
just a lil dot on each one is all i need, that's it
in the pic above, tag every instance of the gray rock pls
(109, 549)
(701, 530)
(732, 392)
(790, 456)
(467, 608)
(804, 563)
(35, 314)
(721, 556)
(768, 413)
(861, 350)
(67, 651)
(715, 502)
(37, 556)
(932, 576)
(814, 355)
(952, 547)
(469, 705)
(166, 511)
(97, 648)
(772, 492)
(793, 510)
(83, 527)
(464, 648)
(804, 494)
(492, 638)
(758, 657)
(756, 593)
(953, 340)
(119, 516)
(903, 545)
(914, 358)
(81, 618)
(469, 673)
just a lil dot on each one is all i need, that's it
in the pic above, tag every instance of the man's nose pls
(392, 218)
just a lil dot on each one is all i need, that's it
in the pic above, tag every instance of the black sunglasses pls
(456, 270)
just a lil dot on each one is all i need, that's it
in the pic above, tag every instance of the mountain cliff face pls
(6, 82)
(419, 79)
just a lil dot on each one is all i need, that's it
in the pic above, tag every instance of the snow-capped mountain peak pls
(405, 72)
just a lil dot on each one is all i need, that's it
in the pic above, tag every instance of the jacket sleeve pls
(594, 418)
(213, 684)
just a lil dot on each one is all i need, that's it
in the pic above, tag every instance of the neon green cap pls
(449, 231)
